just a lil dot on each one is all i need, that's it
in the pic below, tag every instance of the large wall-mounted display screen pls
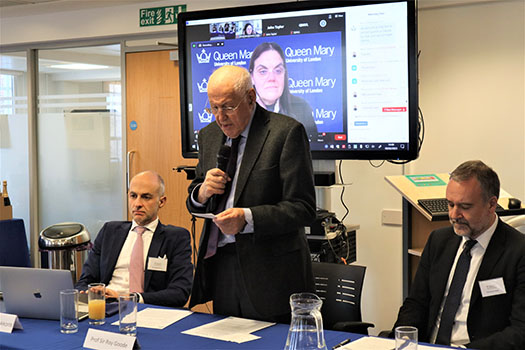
(347, 70)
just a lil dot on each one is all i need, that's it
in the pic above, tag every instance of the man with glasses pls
(253, 254)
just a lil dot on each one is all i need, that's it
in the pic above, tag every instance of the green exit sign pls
(158, 16)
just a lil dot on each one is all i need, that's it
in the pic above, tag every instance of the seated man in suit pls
(142, 256)
(469, 289)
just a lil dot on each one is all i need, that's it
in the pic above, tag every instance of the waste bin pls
(65, 246)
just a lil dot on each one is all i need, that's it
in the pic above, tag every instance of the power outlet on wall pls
(391, 217)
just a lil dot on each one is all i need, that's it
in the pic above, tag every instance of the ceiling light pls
(78, 66)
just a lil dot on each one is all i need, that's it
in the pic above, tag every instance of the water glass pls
(127, 311)
(406, 338)
(97, 303)
(68, 311)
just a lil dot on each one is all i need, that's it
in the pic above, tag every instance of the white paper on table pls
(158, 318)
(233, 329)
(204, 215)
(373, 343)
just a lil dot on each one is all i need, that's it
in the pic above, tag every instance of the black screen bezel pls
(399, 154)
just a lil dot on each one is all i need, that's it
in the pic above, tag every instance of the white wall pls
(472, 89)
(471, 94)
(473, 100)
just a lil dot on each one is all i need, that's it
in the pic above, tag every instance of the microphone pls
(223, 157)
(222, 163)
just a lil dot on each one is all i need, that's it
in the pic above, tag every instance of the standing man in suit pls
(484, 309)
(253, 255)
(142, 256)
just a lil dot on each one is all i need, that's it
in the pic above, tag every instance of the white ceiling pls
(106, 55)
(16, 8)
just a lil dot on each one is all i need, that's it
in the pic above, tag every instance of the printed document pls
(158, 318)
(373, 343)
(233, 329)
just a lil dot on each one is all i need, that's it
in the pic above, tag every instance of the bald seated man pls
(253, 255)
(143, 256)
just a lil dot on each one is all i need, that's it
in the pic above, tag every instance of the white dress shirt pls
(120, 279)
(459, 334)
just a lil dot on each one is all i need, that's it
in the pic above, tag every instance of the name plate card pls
(102, 340)
(8, 322)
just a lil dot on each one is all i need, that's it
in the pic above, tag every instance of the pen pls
(344, 342)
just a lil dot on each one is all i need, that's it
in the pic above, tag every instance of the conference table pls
(45, 335)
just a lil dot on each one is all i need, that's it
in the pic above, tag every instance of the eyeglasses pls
(225, 109)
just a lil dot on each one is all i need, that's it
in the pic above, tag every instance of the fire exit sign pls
(158, 16)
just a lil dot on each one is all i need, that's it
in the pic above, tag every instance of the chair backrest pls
(13, 244)
(339, 286)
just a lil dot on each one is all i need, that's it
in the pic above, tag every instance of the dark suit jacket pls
(169, 288)
(276, 183)
(495, 322)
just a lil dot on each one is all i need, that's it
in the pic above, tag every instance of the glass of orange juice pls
(97, 303)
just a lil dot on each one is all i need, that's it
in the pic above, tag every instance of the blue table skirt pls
(45, 335)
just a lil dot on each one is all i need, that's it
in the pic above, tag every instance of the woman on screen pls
(248, 29)
(270, 78)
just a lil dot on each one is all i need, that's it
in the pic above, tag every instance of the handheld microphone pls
(223, 157)
(222, 163)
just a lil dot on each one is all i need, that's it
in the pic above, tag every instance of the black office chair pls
(339, 286)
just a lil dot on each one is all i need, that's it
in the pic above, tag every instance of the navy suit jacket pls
(275, 181)
(494, 322)
(169, 288)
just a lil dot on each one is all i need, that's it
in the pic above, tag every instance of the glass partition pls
(80, 136)
(14, 164)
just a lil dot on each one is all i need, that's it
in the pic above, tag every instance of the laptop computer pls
(34, 293)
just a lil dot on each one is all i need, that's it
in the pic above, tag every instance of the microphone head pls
(223, 156)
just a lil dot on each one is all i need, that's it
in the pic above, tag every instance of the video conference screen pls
(346, 70)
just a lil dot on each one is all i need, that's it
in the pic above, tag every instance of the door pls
(153, 129)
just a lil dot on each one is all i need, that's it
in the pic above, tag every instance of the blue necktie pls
(213, 239)
(454, 294)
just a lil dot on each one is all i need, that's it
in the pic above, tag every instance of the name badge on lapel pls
(492, 287)
(158, 264)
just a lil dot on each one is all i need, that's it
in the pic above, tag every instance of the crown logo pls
(203, 57)
(205, 117)
(203, 87)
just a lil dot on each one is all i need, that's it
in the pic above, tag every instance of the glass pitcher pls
(306, 328)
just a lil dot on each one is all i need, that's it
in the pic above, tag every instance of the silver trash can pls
(65, 246)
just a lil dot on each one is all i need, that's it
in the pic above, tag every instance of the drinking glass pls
(406, 338)
(127, 311)
(68, 311)
(97, 303)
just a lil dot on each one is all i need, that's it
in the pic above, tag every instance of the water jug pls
(306, 328)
